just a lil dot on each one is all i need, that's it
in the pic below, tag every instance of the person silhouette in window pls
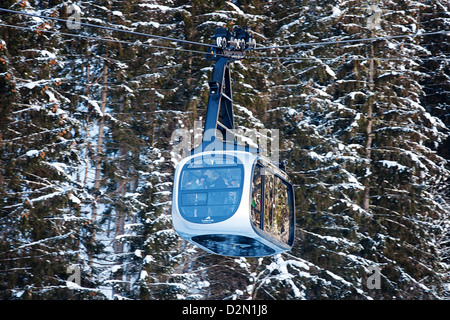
(200, 183)
(218, 182)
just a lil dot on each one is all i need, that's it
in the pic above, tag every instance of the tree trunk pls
(368, 147)
(101, 128)
(99, 151)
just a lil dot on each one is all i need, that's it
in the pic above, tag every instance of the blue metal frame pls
(231, 46)
(219, 113)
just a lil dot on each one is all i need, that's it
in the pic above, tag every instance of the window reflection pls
(256, 200)
(270, 204)
(208, 178)
(281, 215)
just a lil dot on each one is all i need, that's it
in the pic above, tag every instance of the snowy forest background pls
(86, 157)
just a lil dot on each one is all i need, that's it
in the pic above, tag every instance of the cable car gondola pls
(229, 199)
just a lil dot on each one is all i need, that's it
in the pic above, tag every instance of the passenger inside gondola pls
(218, 181)
(210, 192)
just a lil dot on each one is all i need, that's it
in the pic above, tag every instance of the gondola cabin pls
(233, 203)
(227, 198)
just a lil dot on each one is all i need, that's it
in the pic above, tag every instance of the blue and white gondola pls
(229, 199)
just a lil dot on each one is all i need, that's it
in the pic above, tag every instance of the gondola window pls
(210, 193)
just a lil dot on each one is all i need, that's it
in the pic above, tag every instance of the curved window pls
(272, 207)
(233, 245)
(210, 188)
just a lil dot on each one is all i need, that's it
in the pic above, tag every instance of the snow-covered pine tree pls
(158, 80)
(40, 212)
(357, 123)
(357, 100)
(403, 167)
(436, 86)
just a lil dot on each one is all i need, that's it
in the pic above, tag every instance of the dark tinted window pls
(268, 201)
(233, 245)
(256, 197)
(281, 217)
(272, 204)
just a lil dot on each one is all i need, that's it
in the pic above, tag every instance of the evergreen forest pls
(87, 148)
